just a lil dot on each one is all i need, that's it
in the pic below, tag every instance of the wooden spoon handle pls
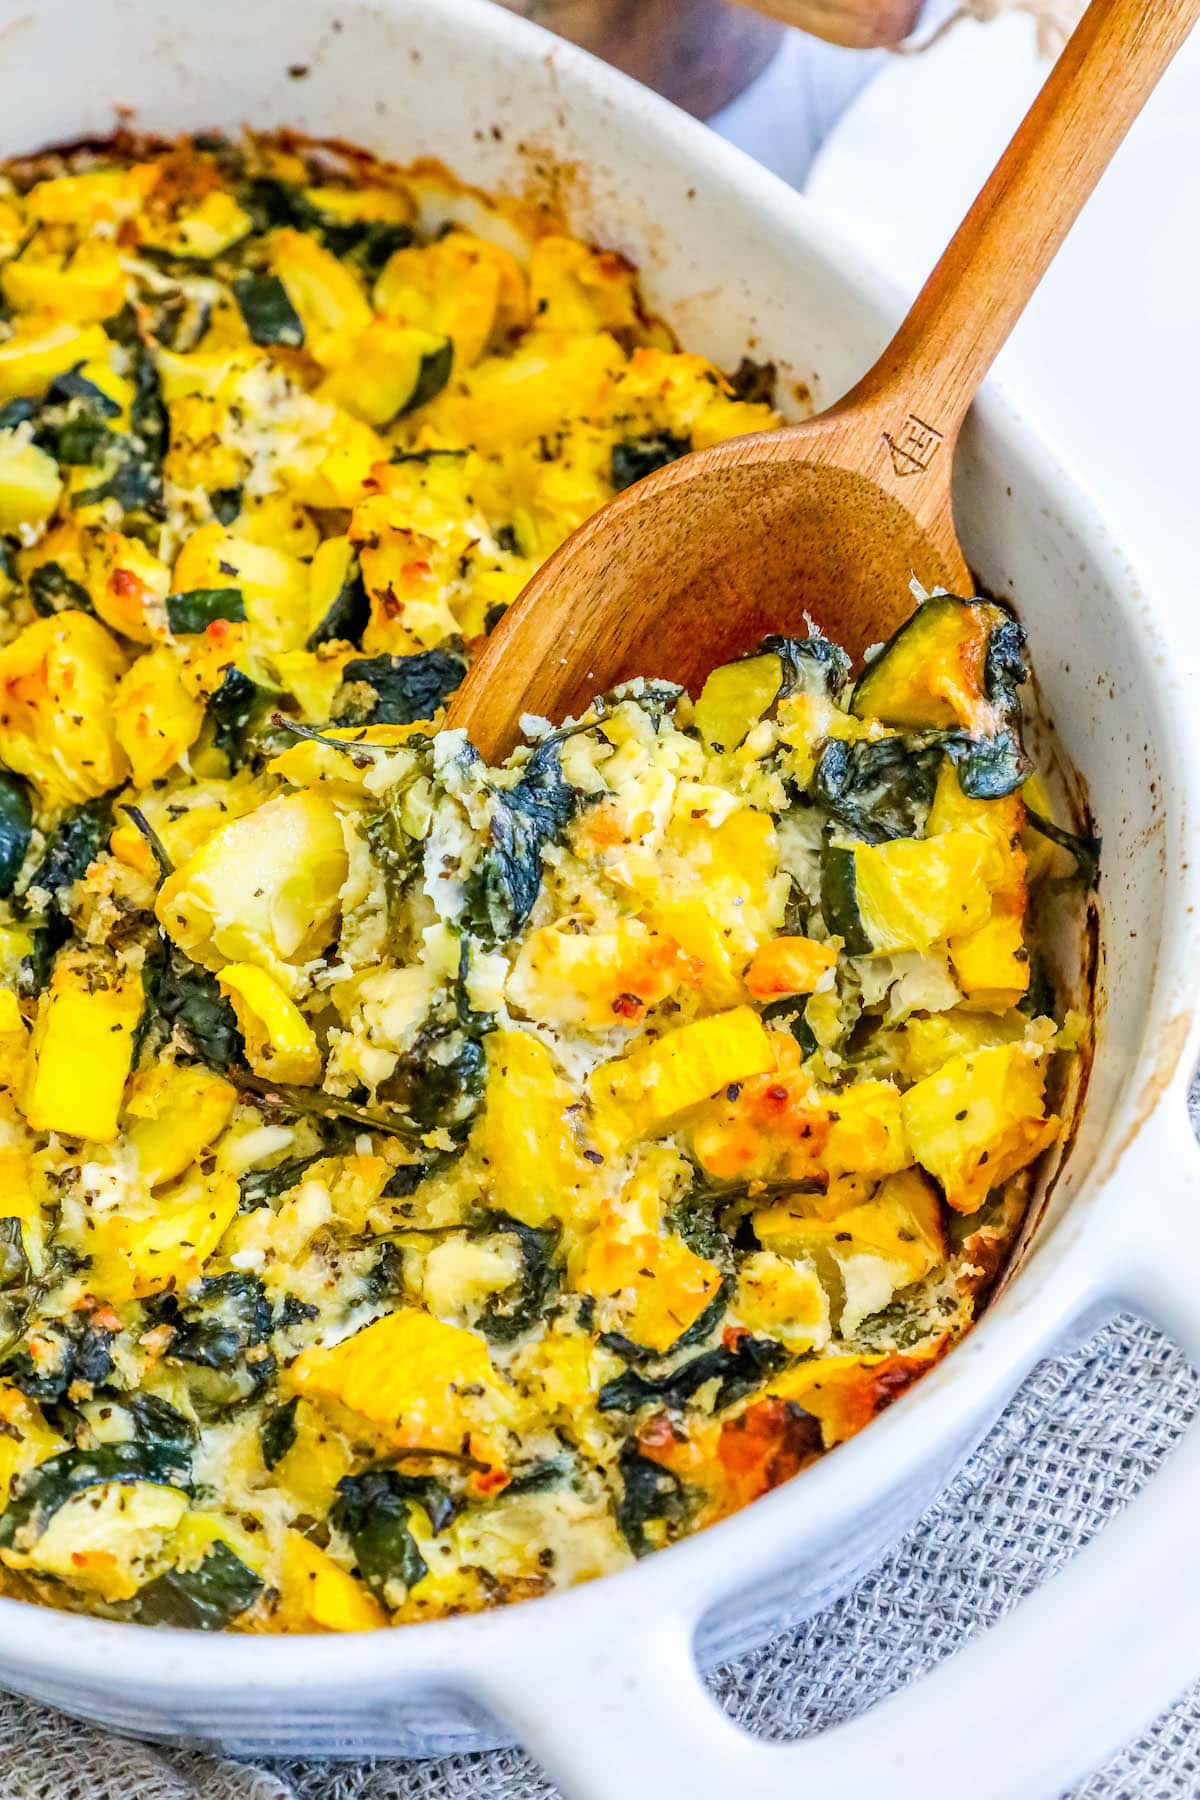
(966, 310)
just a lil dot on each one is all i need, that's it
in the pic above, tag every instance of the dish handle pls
(1027, 1706)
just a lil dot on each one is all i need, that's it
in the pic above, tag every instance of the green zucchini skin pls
(16, 828)
(839, 899)
(432, 376)
(39, 1493)
(268, 311)
(193, 612)
(206, 1598)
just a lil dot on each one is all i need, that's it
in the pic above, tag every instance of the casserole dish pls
(601, 1682)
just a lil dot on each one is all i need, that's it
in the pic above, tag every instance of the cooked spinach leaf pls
(315, 1103)
(206, 1598)
(649, 1494)
(53, 591)
(878, 790)
(158, 849)
(16, 828)
(15, 1271)
(156, 1421)
(397, 690)
(372, 1509)
(269, 314)
(193, 612)
(190, 1000)
(219, 1333)
(277, 1433)
(69, 851)
(739, 1368)
(69, 1350)
(806, 662)
(635, 458)
(988, 767)
(257, 1186)
(240, 711)
(500, 891)
(134, 479)
(509, 1315)
(1085, 850)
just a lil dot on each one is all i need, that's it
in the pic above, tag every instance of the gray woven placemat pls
(1084, 1434)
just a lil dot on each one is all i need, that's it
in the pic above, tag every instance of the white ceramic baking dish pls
(602, 1682)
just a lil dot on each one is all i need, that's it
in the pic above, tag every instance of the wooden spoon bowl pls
(829, 520)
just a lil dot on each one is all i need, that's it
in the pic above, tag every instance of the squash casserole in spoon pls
(427, 1184)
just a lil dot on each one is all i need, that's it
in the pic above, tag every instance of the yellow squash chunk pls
(504, 402)
(922, 1044)
(334, 469)
(100, 195)
(82, 1047)
(157, 719)
(102, 1539)
(718, 894)
(866, 1130)
(309, 765)
(593, 980)
(416, 1380)
(29, 483)
(783, 1299)
(318, 1594)
(201, 231)
(160, 1241)
(451, 288)
(172, 1113)
(658, 1284)
(14, 1046)
(328, 298)
(735, 697)
(646, 1090)
(532, 1165)
(273, 584)
(334, 564)
(991, 963)
(26, 1439)
(887, 1243)
(83, 285)
(263, 889)
(128, 585)
(575, 287)
(788, 965)
(42, 349)
(909, 893)
(846, 1392)
(386, 370)
(58, 680)
(315, 1463)
(667, 1285)
(979, 1119)
(280, 1042)
(362, 205)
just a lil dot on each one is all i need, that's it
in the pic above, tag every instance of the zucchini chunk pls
(932, 674)
(908, 893)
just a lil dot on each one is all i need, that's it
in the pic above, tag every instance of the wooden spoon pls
(831, 518)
